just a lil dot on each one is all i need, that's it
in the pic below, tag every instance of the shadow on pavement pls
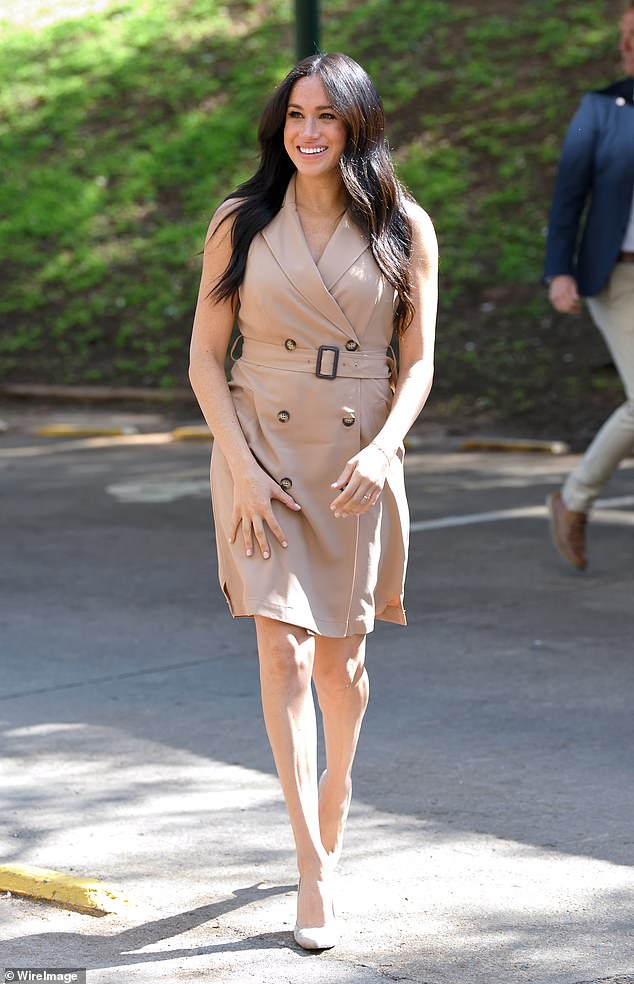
(95, 951)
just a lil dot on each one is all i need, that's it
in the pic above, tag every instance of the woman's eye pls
(294, 114)
(328, 116)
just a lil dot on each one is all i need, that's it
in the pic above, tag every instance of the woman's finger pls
(247, 537)
(263, 543)
(345, 497)
(345, 476)
(365, 500)
(371, 502)
(236, 519)
(276, 529)
(283, 497)
(360, 502)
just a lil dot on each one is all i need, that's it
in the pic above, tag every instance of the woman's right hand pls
(564, 295)
(253, 493)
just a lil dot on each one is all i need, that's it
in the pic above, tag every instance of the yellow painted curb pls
(73, 430)
(86, 895)
(515, 444)
(413, 442)
(197, 433)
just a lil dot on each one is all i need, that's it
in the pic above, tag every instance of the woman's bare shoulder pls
(422, 225)
(223, 218)
(424, 241)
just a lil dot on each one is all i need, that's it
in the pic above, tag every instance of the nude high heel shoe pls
(317, 937)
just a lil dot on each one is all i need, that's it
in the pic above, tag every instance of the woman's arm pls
(416, 346)
(213, 323)
(364, 475)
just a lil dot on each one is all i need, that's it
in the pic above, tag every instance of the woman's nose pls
(310, 126)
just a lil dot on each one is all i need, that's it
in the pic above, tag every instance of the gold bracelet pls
(388, 457)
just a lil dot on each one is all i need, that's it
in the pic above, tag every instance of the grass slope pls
(121, 129)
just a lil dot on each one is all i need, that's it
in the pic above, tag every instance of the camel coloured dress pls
(336, 575)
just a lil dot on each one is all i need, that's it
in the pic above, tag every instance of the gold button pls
(283, 416)
(348, 421)
(351, 345)
(290, 344)
(286, 484)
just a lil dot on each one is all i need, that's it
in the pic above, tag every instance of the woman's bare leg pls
(343, 689)
(286, 662)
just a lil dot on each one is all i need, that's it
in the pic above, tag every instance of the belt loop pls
(232, 350)
(393, 367)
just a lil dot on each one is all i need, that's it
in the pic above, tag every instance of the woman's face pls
(314, 135)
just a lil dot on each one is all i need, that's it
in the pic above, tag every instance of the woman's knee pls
(285, 658)
(336, 672)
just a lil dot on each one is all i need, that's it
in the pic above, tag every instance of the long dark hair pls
(375, 196)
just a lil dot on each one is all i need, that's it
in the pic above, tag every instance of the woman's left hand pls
(361, 482)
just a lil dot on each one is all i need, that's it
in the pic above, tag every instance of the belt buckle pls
(335, 361)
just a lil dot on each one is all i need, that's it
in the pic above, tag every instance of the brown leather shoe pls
(568, 531)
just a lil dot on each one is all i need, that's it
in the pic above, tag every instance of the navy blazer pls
(596, 170)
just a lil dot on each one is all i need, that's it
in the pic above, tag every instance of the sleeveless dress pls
(304, 411)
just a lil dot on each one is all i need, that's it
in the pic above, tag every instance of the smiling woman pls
(321, 255)
(313, 132)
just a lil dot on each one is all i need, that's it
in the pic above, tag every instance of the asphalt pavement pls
(491, 838)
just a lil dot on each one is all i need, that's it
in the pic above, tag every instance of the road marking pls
(149, 491)
(158, 491)
(85, 444)
(198, 432)
(87, 895)
(444, 522)
(76, 430)
(103, 438)
(169, 491)
(523, 512)
(514, 444)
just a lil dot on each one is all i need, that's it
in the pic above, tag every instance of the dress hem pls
(320, 626)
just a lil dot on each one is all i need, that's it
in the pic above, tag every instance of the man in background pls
(590, 254)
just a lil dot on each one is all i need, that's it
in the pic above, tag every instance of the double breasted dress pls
(311, 389)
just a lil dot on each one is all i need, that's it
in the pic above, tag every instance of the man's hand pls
(563, 294)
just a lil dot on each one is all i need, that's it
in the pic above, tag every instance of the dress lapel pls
(285, 238)
(344, 248)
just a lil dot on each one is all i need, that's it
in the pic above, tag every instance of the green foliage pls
(121, 131)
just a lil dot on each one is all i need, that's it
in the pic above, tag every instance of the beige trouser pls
(613, 312)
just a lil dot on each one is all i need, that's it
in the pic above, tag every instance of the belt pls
(325, 362)
(626, 257)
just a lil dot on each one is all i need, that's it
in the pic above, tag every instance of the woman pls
(320, 255)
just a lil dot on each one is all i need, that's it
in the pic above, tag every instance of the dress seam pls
(354, 571)
(356, 538)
